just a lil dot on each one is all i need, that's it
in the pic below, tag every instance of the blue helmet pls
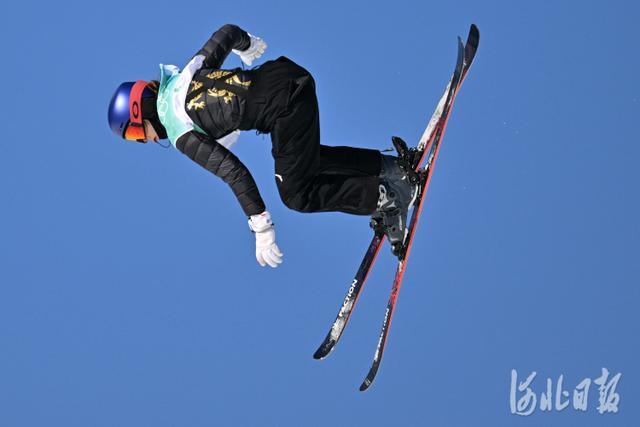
(125, 109)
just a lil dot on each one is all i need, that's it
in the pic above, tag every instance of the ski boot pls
(399, 185)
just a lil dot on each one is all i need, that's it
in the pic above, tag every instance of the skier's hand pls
(197, 62)
(254, 51)
(267, 252)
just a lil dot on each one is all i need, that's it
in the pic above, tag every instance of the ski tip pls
(324, 350)
(371, 375)
(365, 385)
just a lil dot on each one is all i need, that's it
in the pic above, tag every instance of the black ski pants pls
(312, 177)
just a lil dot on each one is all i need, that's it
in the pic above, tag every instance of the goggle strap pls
(135, 103)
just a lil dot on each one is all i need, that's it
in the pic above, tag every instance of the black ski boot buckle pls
(406, 159)
(377, 224)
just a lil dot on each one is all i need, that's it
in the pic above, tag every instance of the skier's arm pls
(216, 49)
(217, 159)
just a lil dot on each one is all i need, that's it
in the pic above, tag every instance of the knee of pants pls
(293, 204)
(289, 197)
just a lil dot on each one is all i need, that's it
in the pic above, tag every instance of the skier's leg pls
(299, 175)
(335, 193)
(349, 161)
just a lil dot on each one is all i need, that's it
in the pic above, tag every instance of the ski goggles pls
(135, 128)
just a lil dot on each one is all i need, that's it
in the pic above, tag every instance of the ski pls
(351, 298)
(427, 147)
(446, 101)
(348, 304)
(433, 142)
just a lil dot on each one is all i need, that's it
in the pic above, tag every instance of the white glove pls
(254, 51)
(267, 252)
(197, 62)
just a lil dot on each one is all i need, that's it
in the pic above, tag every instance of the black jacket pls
(219, 112)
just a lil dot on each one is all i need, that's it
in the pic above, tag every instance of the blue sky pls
(129, 292)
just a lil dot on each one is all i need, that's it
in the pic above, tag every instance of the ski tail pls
(441, 109)
(470, 48)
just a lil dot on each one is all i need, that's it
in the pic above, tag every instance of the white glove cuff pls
(261, 222)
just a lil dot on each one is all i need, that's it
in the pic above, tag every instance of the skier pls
(203, 108)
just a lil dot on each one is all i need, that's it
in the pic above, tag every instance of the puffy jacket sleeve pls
(223, 163)
(221, 43)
